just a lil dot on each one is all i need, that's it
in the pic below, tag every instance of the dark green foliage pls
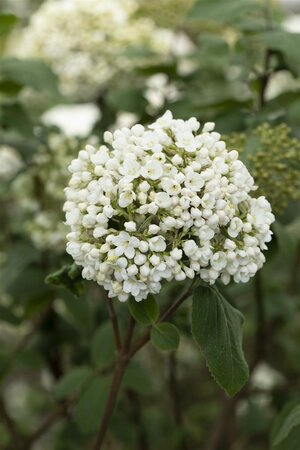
(217, 328)
(145, 312)
(69, 277)
(58, 346)
(165, 336)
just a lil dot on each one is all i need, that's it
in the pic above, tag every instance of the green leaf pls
(127, 98)
(137, 379)
(103, 345)
(29, 358)
(10, 88)
(19, 257)
(165, 336)
(213, 51)
(91, 405)
(286, 424)
(29, 72)
(72, 381)
(80, 310)
(68, 276)
(217, 328)
(145, 312)
(6, 315)
(285, 42)
(15, 118)
(214, 11)
(7, 22)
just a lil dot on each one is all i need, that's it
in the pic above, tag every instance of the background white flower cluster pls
(11, 162)
(38, 191)
(164, 202)
(85, 41)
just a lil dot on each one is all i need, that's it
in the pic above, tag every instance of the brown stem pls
(220, 426)
(10, 425)
(261, 329)
(115, 325)
(59, 412)
(115, 386)
(264, 78)
(292, 283)
(142, 443)
(47, 423)
(175, 397)
(268, 14)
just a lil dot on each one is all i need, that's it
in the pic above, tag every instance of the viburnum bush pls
(149, 276)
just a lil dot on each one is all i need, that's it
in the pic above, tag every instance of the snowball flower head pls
(85, 41)
(165, 202)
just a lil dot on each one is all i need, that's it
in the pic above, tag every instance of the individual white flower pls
(153, 170)
(172, 187)
(163, 200)
(164, 219)
(130, 167)
(235, 227)
(194, 181)
(187, 141)
(157, 244)
(125, 244)
(126, 198)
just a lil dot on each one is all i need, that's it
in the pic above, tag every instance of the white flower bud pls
(176, 253)
(130, 226)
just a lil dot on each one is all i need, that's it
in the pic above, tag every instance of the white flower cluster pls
(161, 203)
(85, 41)
(10, 162)
(38, 191)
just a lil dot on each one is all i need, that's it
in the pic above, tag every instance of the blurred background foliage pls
(236, 63)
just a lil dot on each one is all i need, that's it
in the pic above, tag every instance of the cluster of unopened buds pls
(165, 202)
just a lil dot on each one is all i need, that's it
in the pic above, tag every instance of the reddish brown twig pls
(115, 325)
(115, 386)
(142, 442)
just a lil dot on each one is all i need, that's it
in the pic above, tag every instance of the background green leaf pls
(91, 405)
(103, 345)
(165, 336)
(72, 381)
(7, 22)
(33, 73)
(145, 312)
(286, 428)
